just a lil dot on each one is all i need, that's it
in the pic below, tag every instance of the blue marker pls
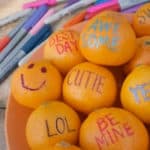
(101, 1)
(7, 66)
(37, 15)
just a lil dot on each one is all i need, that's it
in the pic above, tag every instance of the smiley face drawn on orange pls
(43, 70)
(35, 83)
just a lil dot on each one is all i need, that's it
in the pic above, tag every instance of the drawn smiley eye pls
(30, 66)
(43, 70)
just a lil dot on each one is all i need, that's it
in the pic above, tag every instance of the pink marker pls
(92, 11)
(39, 25)
(132, 10)
(120, 4)
(38, 3)
(103, 6)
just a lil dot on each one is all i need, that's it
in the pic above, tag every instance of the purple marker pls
(120, 4)
(132, 10)
(37, 15)
(70, 2)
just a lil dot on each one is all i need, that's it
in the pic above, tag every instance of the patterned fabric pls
(8, 7)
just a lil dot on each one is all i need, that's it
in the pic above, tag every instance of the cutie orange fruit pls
(108, 39)
(62, 50)
(35, 83)
(135, 93)
(87, 87)
(51, 123)
(113, 129)
(141, 20)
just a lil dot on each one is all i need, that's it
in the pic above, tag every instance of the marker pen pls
(120, 4)
(70, 2)
(37, 34)
(14, 16)
(29, 35)
(125, 4)
(107, 6)
(28, 56)
(76, 19)
(38, 3)
(60, 14)
(101, 1)
(12, 60)
(24, 30)
(132, 9)
(7, 38)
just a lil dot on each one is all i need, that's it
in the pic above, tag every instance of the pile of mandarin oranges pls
(91, 90)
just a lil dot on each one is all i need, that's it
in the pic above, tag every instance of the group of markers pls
(36, 26)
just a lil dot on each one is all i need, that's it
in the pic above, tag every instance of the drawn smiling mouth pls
(28, 88)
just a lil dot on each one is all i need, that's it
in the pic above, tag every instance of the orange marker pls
(79, 26)
(76, 19)
(4, 41)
